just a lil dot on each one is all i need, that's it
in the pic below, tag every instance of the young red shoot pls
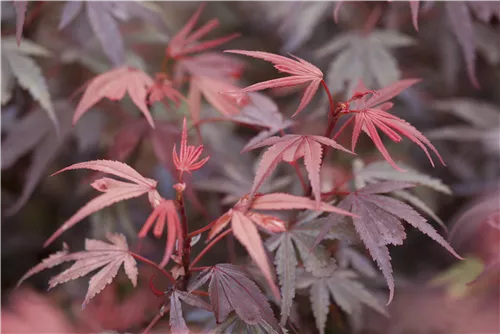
(186, 161)
(186, 41)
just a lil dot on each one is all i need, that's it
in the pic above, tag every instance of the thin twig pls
(210, 245)
(155, 320)
(201, 230)
(151, 263)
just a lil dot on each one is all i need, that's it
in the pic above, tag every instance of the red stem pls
(186, 247)
(199, 268)
(201, 230)
(200, 293)
(151, 263)
(210, 245)
(333, 117)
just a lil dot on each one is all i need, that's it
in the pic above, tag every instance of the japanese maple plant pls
(297, 235)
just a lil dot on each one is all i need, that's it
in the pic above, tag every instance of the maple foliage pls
(290, 148)
(186, 161)
(113, 85)
(164, 211)
(16, 63)
(242, 221)
(230, 289)
(186, 40)
(97, 254)
(295, 238)
(113, 190)
(343, 287)
(370, 113)
(301, 72)
(378, 223)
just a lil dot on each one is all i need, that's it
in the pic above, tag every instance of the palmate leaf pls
(349, 294)
(113, 190)
(233, 324)
(365, 58)
(261, 111)
(483, 118)
(98, 254)
(230, 289)
(244, 222)
(35, 133)
(114, 84)
(461, 23)
(103, 18)
(370, 115)
(301, 72)
(290, 148)
(383, 171)
(15, 60)
(177, 322)
(379, 223)
(315, 259)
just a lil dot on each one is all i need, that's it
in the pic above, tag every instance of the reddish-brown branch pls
(200, 293)
(186, 246)
(155, 320)
(210, 245)
(151, 263)
(199, 268)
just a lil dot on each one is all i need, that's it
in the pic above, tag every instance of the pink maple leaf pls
(113, 85)
(98, 254)
(186, 41)
(244, 221)
(186, 161)
(213, 89)
(209, 64)
(163, 88)
(290, 148)
(301, 71)
(370, 113)
(113, 190)
(164, 211)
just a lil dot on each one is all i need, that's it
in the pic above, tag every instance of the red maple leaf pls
(370, 113)
(301, 72)
(113, 85)
(244, 221)
(186, 40)
(163, 88)
(290, 148)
